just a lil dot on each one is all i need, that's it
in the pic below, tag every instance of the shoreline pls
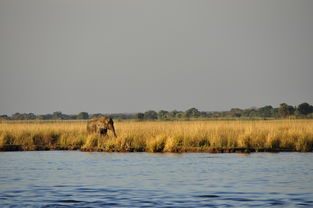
(20, 148)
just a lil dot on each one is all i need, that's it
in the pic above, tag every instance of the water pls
(82, 179)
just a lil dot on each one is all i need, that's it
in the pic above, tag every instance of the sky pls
(121, 56)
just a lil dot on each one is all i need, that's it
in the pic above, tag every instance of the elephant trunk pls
(111, 127)
(114, 131)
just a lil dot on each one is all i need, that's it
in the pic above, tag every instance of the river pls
(97, 179)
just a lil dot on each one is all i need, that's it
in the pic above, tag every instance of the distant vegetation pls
(284, 110)
(161, 136)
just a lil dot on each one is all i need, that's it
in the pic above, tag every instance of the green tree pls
(83, 115)
(151, 115)
(203, 114)
(4, 117)
(192, 113)
(140, 116)
(163, 115)
(305, 109)
(57, 115)
(23, 116)
(180, 115)
(253, 113)
(235, 112)
(40, 117)
(16, 116)
(286, 110)
(172, 114)
(265, 111)
(96, 115)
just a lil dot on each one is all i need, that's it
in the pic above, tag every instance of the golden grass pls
(174, 136)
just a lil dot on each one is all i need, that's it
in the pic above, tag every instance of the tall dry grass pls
(174, 136)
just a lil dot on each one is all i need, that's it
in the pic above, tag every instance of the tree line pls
(303, 110)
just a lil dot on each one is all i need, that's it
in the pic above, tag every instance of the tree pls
(192, 113)
(253, 113)
(4, 117)
(96, 115)
(30, 116)
(286, 110)
(235, 112)
(140, 116)
(180, 115)
(23, 116)
(151, 115)
(203, 114)
(305, 109)
(57, 115)
(16, 116)
(162, 115)
(266, 111)
(83, 115)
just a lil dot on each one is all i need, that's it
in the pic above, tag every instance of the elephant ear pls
(99, 123)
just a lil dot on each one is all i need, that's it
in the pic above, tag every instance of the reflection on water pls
(82, 179)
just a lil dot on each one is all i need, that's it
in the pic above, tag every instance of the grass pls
(174, 136)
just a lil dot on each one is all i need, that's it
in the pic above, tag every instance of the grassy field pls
(180, 136)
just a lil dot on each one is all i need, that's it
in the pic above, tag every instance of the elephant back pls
(92, 123)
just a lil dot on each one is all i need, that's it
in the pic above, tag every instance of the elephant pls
(100, 125)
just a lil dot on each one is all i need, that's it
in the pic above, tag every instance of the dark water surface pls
(82, 179)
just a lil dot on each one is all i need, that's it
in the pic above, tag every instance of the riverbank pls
(175, 136)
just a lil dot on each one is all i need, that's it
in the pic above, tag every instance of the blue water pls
(83, 179)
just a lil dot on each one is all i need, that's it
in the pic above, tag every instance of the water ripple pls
(79, 179)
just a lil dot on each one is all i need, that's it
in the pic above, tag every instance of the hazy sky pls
(112, 56)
